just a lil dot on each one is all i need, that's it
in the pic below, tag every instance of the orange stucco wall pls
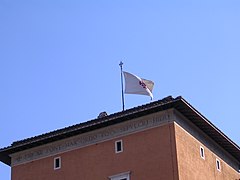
(149, 155)
(190, 164)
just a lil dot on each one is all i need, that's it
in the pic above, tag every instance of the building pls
(163, 140)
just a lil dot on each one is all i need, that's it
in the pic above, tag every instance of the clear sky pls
(59, 60)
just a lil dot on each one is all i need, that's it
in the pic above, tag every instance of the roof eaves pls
(78, 128)
(210, 129)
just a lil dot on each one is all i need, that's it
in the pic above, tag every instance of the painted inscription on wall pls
(90, 138)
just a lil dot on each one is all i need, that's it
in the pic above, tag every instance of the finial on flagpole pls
(121, 64)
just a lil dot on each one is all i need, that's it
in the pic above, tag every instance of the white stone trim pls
(202, 152)
(93, 137)
(116, 146)
(218, 164)
(60, 163)
(120, 176)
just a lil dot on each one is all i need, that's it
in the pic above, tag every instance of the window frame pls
(120, 176)
(116, 146)
(202, 152)
(218, 164)
(59, 163)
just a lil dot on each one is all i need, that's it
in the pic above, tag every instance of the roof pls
(177, 103)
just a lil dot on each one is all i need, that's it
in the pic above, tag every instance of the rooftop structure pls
(179, 112)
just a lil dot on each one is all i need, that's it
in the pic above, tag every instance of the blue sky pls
(59, 60)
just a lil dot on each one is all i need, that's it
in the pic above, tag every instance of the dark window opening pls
(57, 163)
(118, 147)
(218, 165)
(202, 152)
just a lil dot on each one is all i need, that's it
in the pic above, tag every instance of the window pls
(202, 154)
(121, 176)
(218, 165)
(57, 163)
(118, 146)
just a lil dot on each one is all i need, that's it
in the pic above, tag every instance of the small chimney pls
(102, 114)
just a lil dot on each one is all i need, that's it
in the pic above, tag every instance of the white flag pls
(136, 85)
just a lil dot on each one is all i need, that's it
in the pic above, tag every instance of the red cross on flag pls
(137, 85)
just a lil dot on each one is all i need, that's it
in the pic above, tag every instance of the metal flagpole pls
(121, 64)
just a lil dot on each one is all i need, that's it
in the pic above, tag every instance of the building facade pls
(163, 140)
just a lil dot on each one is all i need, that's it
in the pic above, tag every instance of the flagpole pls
(121, 64)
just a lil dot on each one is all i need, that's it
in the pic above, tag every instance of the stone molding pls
(90, 138)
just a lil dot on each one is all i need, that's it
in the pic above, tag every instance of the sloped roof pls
(177, 103)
